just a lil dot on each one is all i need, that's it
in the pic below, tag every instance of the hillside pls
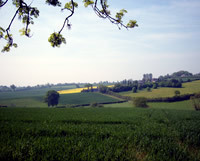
(188, 88)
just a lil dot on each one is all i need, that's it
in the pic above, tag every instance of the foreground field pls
(188, 88)
(100, 133)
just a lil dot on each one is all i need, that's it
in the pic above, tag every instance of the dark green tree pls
(52, 98)
(13, 87)
(148, 89)
(155, 85)
(177, 92)
(140, 102)
(134, 89)
(102, 88)
(26, 14)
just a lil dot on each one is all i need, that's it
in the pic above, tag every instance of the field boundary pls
(88, 104)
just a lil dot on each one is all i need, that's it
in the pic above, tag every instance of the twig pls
(67, 18)
(3, 3)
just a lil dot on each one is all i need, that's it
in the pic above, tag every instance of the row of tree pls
(135, 86)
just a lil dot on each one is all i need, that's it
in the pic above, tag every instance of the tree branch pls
(7, 30)
(3, 3)
(105, 15)
(67, 18)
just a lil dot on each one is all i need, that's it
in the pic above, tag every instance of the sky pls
(166, 41)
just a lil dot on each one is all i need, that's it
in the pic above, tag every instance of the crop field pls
(85, 98)
(188, 88)
(76, 90)
(101, 133)
(31, 92)
(65, 99)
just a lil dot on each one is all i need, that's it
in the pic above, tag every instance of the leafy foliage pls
(52, 98)
(53, 2)
(56, 39)
(177, 92)
(26, 13)
(102, 88)
(88, 2)
(140, 102)
(134, 90)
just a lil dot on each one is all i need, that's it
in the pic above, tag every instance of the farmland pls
(34, 99)
(120, 131)
(115, 133)
(188, 88)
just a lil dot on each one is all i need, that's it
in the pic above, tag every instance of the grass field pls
(166, 131)
(65, 99)
(188, 88)
(31, 92)
(85, 98)
(182, 105)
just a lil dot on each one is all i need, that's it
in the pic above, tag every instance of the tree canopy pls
(52, 98)
(27, 13)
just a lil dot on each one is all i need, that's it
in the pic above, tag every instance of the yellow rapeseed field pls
(76, 90)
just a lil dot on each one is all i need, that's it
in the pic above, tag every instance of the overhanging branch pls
(1, 5)
(67, 18)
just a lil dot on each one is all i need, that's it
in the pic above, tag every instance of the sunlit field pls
(164, 132)
(76, 90)
(188, 88)
(69, 91)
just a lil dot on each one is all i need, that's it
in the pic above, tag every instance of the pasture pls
(188, 88)
(165, 131)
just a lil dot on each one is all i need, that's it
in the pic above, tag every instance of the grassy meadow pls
(188, 88)
(161, 132)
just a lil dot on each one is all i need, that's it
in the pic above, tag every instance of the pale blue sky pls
(167, 40)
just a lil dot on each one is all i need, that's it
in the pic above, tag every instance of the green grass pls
(85, 98)
(182, 105)
(188, 88)
(65, 99)
(24, 102)
(31, 92)
(100, 134)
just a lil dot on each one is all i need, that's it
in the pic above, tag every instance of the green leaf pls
(88, 2)
(56, 39)
(6, 37)
(68, 5)
(132, 24)
(15, 45)
(53, 3)
(1, 34)
(75, 5)
(123, 11)
(22, 31)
